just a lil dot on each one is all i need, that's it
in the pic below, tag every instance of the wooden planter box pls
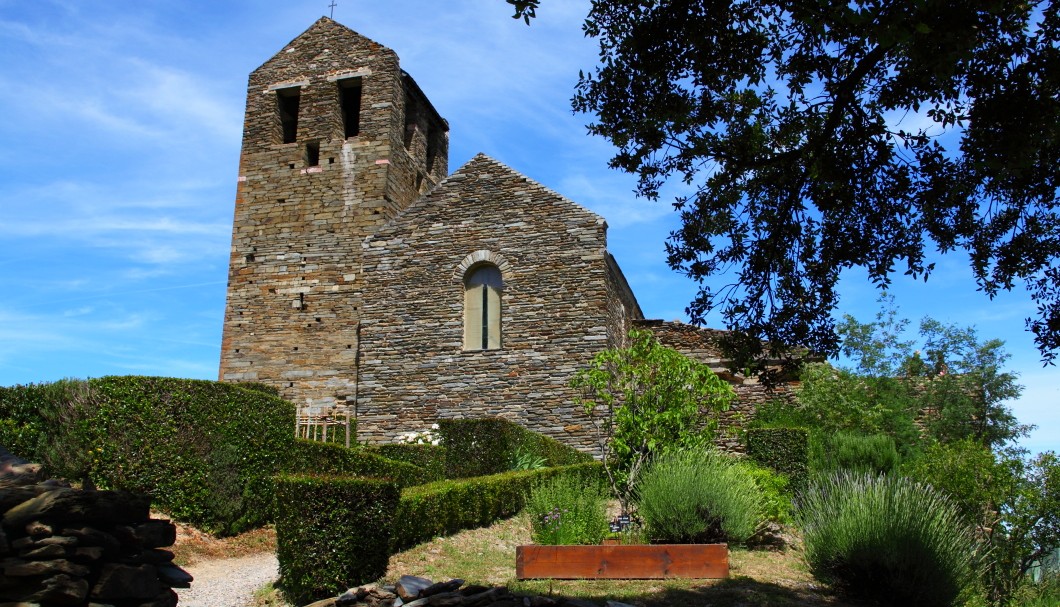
(622, 562)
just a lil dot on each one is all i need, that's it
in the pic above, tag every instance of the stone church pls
(365, 278)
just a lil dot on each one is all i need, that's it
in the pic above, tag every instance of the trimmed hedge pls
(785, 450)
(331, 533)
(428, 457)
(445, 507)
(329, 458)
(480, 447)
(204, 451)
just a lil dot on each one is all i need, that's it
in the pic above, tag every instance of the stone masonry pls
(562, 303)
(352, 248)
(303, 208)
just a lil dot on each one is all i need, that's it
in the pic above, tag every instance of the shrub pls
(566, 510)
(875, 454)
(785, 450)
(429, 457)
(698, 497)
(329, 458)
(480, 447)
(645, 400)
(774, 486)
(527, 460)
(331, 533)
(886, 539)
(203, 450)
(445, 507)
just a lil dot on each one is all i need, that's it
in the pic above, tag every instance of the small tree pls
(648, 399)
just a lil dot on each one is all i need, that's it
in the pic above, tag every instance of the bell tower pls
(337, 140)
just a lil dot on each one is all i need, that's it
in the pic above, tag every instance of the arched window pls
(482, 308)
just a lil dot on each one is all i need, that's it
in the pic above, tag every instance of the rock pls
(350, 597)
(166, 598)
(542, 601)
(174, 576)
(156, 533)
(326, 603)
(73, 505)
(17, 568)
(486, 598)
(473, 589)
(60, 590)
(57, 540)
(616, 604)
(417, 603)
(40, 553)
(441, 587)
(409, 586)
(445, 599)
(11, 497)
(86, 554)
(91, 536)
(156, 556)
(126, 582)
(572, 602)
(39, 529)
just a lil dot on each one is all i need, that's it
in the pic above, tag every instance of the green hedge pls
(785, 450)
(204, 451)
(445, 507)
(331, 533)
(329, 458)
(480, 447)
(429, 457)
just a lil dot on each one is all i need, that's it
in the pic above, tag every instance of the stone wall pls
(294, 287)
(63, 546)
(701, 344)
(557, 304)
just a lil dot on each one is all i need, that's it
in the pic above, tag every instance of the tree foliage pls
(647, 399)
(820, 136)
(955, 380)
(1013, 501)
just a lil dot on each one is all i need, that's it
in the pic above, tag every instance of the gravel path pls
(228, 582)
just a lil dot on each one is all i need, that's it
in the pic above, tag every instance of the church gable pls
(483, 298)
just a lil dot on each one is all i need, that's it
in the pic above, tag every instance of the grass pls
(760, 578)
(774, 578)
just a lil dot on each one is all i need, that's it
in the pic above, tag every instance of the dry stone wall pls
(66, 547)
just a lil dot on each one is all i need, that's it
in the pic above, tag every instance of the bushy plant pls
(886, 539)
(445, 507)
(875, 454)
(331, 533)
(1014, 501)
(479, 447)
(429, 457)
(783, 449)
(775, 489)
(699, 497)
(524, 459)
(567, 510)
(644, 400)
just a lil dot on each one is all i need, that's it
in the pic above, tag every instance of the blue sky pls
(119, 143)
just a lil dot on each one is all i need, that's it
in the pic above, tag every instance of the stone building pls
(364, 276)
